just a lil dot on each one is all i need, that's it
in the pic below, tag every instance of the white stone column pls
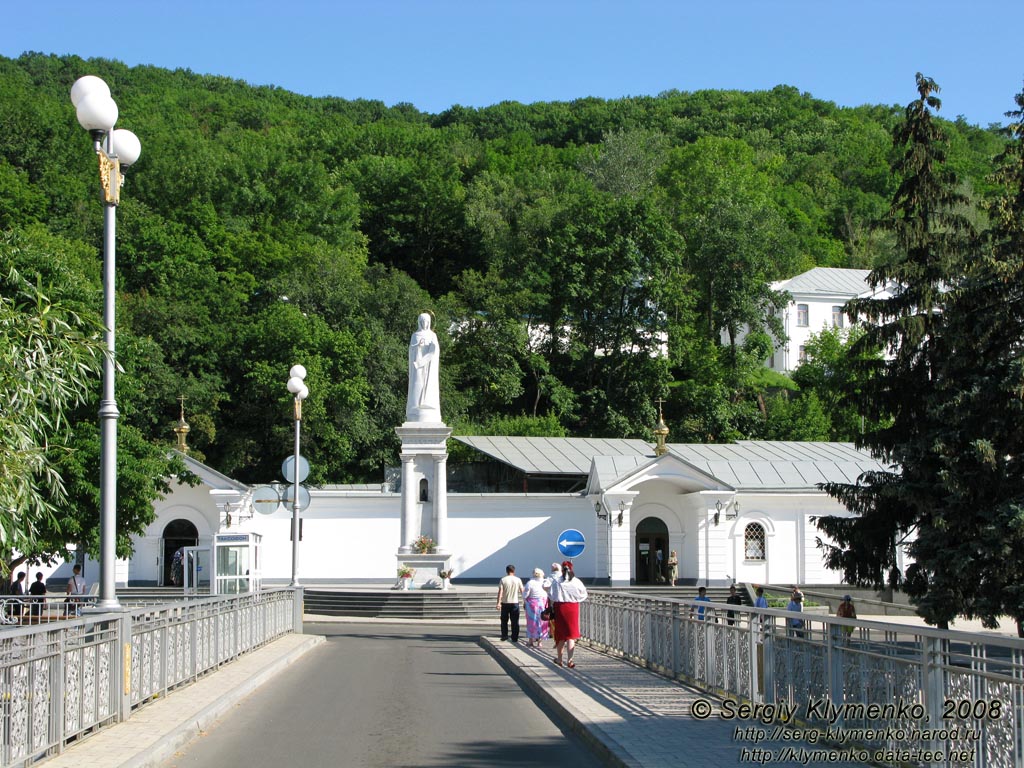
(408, 506)
(441, 504)
(621, 546)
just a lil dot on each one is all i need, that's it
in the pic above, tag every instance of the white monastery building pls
(730, 511)
(817, 301)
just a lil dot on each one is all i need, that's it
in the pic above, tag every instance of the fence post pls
(124, 679)
(675, 641)
(58, 689)
(297, 603)
(768, 664)
(648, 649)
(933, 682)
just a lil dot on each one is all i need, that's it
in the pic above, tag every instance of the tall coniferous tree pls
(894, 507)
(982, 406)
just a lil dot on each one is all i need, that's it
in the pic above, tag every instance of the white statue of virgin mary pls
(424, 401)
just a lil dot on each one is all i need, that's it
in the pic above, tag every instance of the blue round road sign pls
(571, 543)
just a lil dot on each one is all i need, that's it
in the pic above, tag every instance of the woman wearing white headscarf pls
(535, 600)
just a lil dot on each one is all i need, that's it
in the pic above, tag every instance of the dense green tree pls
(49, 354)
(56, 392)
(979, 534)
(736, 241)
(562, 246)
(832, 372)
(907, 504)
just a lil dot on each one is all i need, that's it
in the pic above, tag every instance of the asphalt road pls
(387, 695)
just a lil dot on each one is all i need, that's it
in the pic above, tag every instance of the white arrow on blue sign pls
(571, 543)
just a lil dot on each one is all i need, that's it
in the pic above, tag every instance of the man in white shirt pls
(76, 586)
(510, 594)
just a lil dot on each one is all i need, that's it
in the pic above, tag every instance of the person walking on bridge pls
(566, 595)
(510, 593)
(535, 599)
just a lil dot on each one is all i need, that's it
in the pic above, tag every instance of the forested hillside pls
(558, 244)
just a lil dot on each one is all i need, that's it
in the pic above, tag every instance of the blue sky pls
(436, 53)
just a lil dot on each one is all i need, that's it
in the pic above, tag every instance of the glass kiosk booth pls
(235, 561)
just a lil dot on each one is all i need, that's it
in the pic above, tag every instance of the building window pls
(424, 491)
(802, 354)
(837, 317)
(803, 318)
(753, 542)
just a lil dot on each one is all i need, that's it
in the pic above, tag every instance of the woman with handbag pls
(567, 593)
(535, 600)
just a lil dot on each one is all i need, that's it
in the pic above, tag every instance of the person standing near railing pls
(846, 611)
(18, 591)
(38, 592)
(796, 623)
(732, 599)
(76, 586)
(702, 597)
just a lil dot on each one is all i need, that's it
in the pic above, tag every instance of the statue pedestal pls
(427, 567)
(424, 484)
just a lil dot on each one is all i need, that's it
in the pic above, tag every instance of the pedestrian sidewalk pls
(153, 733)
(631, 716)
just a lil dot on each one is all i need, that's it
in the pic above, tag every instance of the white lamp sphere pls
(126, 146)
(298, 370)
(303, 393)
(86, 85)
(97, 111)
(295, 385)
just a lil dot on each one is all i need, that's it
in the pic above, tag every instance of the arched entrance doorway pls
(178, 533)
(651, 551)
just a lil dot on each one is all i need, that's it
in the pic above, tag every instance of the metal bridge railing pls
(62, 680)
(881, 686)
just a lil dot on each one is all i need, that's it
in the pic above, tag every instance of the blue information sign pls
(571, 543)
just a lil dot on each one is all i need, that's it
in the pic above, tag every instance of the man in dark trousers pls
(732, 599)
(18, 590)
(38, 592)
(510, 594)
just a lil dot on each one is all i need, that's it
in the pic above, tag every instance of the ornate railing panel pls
(874, 685)
(64, 679)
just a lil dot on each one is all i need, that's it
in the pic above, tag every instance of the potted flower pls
(446, 577)
(405, 574)
(423, 545)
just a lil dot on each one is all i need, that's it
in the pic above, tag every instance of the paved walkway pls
(153, 733)
(633, 717)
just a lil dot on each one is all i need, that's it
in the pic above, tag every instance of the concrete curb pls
(183, 733)
(542, 681)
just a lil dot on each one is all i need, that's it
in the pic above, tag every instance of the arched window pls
(753, 542)
(424, 494)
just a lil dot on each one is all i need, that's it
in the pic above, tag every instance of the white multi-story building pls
(818, 301)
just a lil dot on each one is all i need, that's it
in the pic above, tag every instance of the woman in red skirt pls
(566, 595)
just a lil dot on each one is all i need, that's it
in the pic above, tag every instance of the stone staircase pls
(472, 603)
(415, 604)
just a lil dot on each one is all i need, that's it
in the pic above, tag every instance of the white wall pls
(352, 536)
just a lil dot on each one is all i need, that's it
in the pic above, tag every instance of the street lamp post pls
(97, 113)
(297, 386)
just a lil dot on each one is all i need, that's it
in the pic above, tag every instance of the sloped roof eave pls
(596, 484)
